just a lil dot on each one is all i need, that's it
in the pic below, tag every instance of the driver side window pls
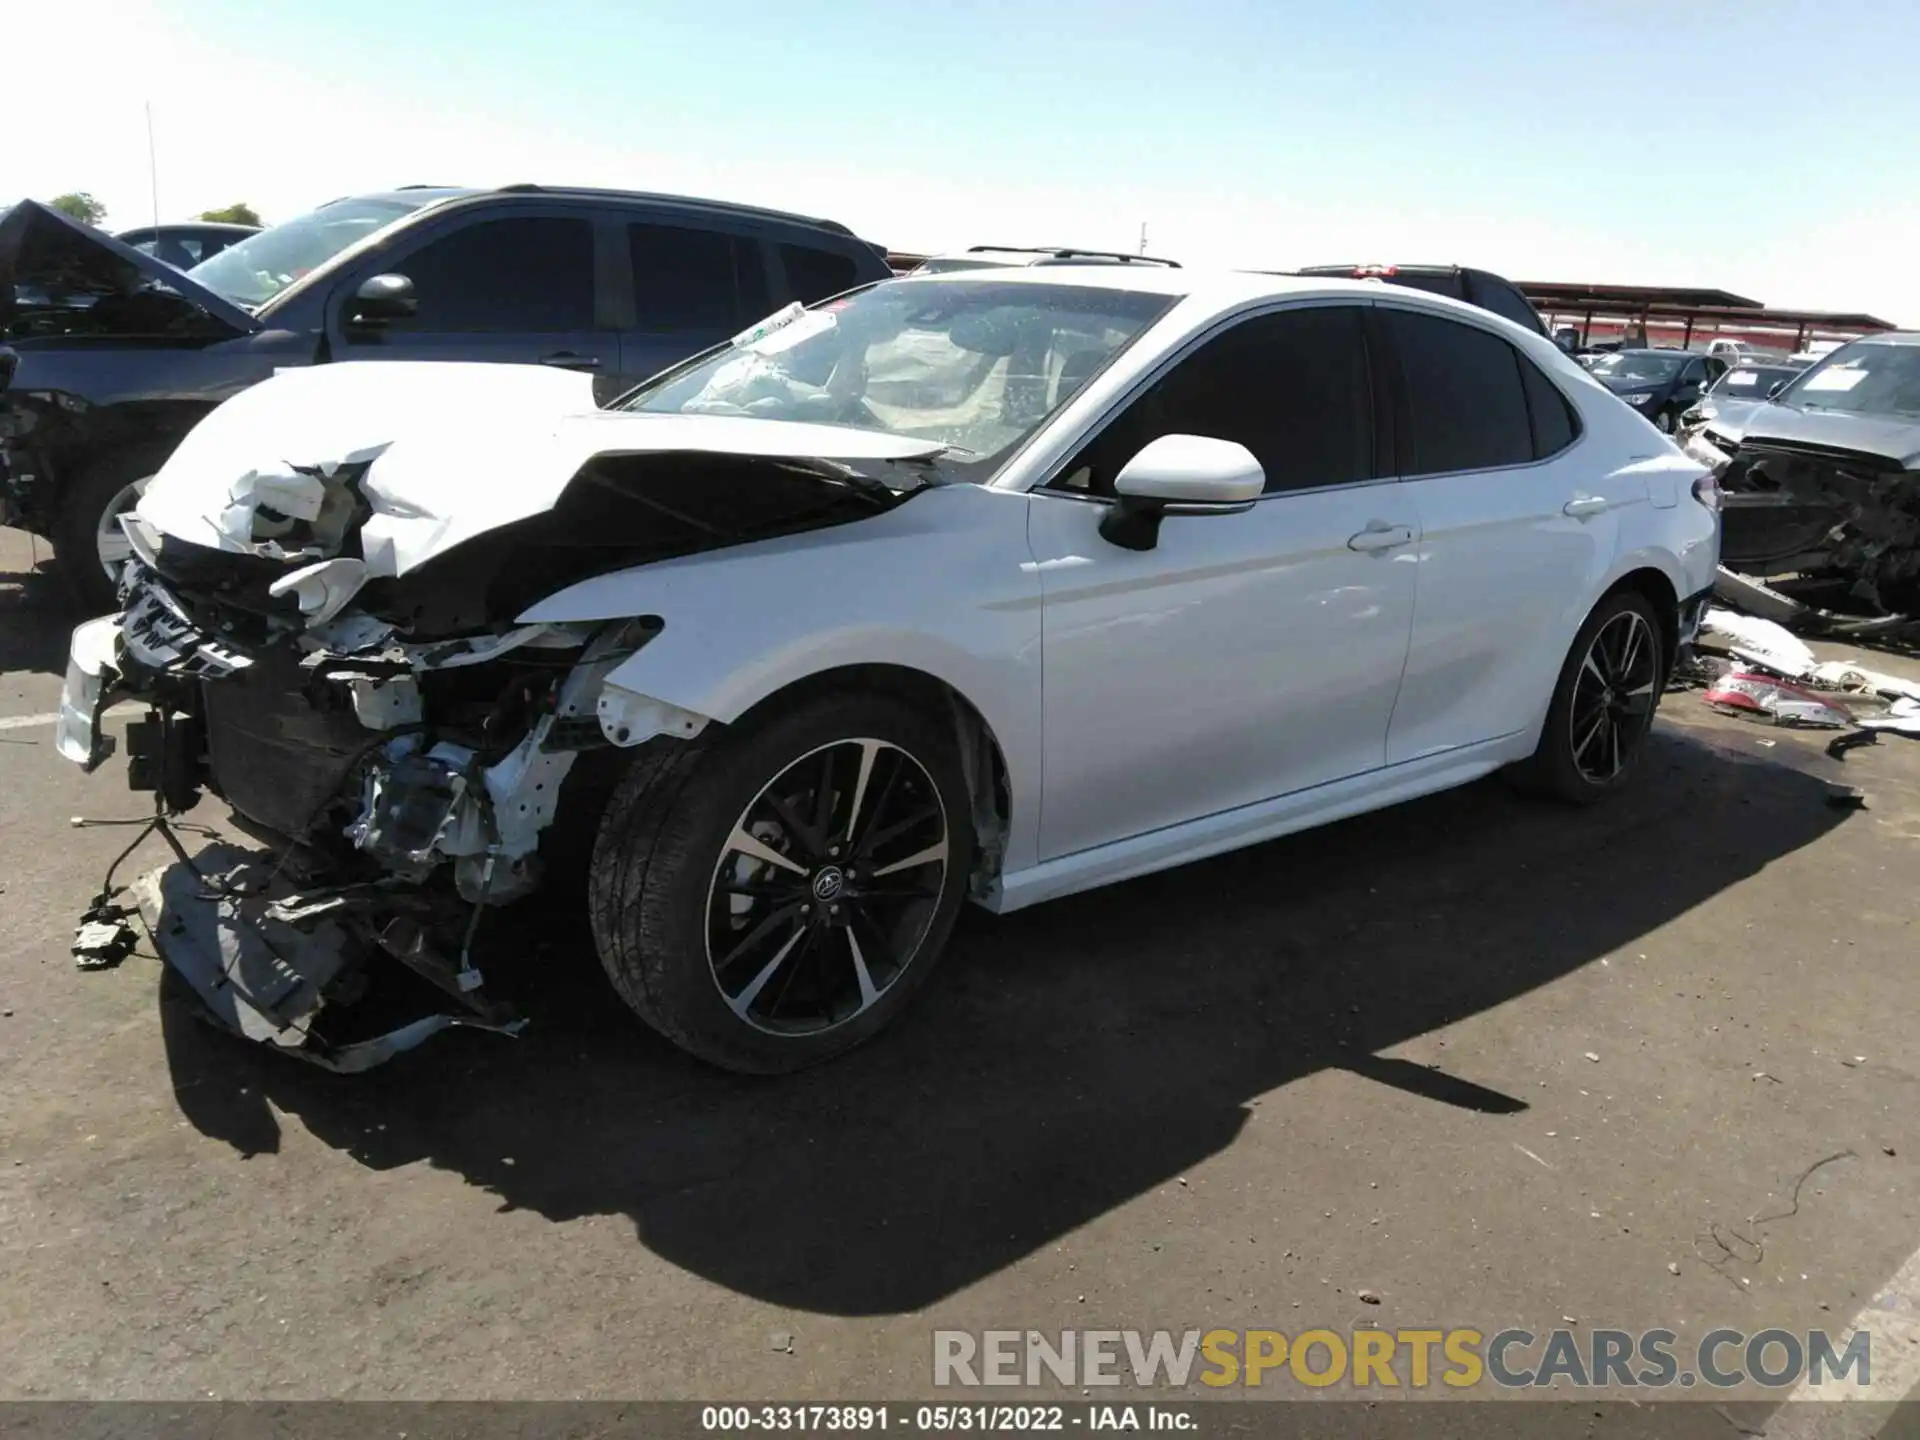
(1293, 387)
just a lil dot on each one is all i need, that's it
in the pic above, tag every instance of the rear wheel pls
(776, 895)
(1603, 703)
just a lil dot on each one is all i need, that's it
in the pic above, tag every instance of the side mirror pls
(1179, 475)
(381, 298)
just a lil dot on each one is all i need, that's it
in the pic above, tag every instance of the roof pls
(425, 195)
(757, 212)
(1894, 337)
(1217, 289)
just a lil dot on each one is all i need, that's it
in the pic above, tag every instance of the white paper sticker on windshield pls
(1838, 378)
(1743, 377)
(814, 322)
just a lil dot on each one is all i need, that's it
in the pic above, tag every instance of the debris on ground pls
(1760, 642)
(103, 937)
(1756, 695)
(1366, 1297)
(1673, 1267)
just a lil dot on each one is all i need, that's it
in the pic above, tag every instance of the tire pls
(1625, 683)
(104, 486)
(762, 967)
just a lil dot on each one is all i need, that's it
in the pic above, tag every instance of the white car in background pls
(990, 586)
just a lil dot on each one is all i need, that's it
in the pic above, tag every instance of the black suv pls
(1476, 287)
(108, 357)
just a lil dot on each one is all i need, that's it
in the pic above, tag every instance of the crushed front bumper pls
(272, 965)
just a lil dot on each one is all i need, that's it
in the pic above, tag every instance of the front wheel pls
(772, 896)
(87, 538)
(1603, 704)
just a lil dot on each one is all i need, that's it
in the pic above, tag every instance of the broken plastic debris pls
(1761, 642)
(103, 938)
(1843, 676)
(1903, 717)
(1746, 693)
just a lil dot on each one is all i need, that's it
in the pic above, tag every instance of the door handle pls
(1582, 506)
(1380, 536)
(568, 360)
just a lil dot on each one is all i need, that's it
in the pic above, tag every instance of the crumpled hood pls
(451, 451)
(1890, 438)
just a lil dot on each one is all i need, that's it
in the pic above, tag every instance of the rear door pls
(691, 283)
(516, 284)
(1518, 525)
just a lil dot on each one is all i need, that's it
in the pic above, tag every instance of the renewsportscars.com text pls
(1416, 1359)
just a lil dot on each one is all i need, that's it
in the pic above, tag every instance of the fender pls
(742, 624)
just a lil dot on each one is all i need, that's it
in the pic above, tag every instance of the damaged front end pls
(1815, 532)
(396, 790)
(403, 750)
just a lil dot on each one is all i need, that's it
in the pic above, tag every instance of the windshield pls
(1862, 379)
(976, 365)
(259, 267)
(1751, 382)
(1645, 366)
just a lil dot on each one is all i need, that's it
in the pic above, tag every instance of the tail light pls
(1707, 491)
(1375, 272)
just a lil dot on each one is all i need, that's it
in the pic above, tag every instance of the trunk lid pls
(61, 278)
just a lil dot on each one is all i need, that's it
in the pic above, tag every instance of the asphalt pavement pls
(1494, 1063)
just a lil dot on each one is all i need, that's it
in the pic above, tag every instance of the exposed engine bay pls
(1820, 528)
(378, 720)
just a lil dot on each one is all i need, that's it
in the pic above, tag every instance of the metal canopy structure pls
(1687, 309)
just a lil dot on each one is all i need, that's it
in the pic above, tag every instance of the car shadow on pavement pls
(1066, 1060)
(36, 612)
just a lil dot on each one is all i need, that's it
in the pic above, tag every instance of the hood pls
(442, 453)
(1889, 437)
(1624, 386)
(59, 277)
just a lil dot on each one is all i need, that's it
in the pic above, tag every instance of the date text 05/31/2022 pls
(944, 1419)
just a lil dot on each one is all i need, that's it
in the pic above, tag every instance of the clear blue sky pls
(1761, 146)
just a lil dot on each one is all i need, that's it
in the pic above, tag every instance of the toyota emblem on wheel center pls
(828, 883)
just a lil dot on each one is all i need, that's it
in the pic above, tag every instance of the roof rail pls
(398, 188)
(1075, 252)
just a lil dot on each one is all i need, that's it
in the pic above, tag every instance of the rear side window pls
(688, 279)
(1466, 406)
(529, 275)
(1506, 302)
(1554, 424)
(1292, 387)
(815, 274)
(1446, 283)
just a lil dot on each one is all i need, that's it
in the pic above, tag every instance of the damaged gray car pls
(1820, 485)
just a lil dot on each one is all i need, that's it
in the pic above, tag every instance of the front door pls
(515, 288)
(1246, 655)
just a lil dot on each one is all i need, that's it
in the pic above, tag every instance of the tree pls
(241, 214)
(81, 206)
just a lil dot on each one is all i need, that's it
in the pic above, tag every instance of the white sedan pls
(992, 586)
